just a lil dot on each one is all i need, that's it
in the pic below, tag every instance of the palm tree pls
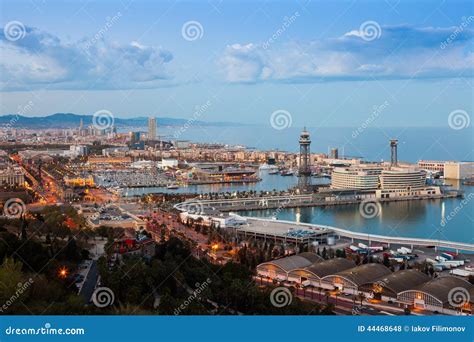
(361, 296)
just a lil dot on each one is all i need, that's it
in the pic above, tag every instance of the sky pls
(321, 63)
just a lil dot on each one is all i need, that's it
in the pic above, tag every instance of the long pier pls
(294, 201)
(406, 241)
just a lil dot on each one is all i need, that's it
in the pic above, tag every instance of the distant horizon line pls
(211, 122)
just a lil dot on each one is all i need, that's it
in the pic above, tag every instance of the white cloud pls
(41, 58)
(399, 52)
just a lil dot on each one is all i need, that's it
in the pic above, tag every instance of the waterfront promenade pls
(278, 229)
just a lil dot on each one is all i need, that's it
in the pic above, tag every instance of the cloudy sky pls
(328, 63)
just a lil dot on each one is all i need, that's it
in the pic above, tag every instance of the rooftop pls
(403, 280)
(365, 273)
(330, 266)
(293, 262)
(275, 227)
(440, 287)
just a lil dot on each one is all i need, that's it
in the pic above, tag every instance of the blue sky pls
(310, 58)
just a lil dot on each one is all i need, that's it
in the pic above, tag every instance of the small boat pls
(172, 186)
(286, 173)
(274, 172)
(267, 167)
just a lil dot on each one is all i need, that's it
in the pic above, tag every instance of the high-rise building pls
(152, 128)
(134, 137)
(334, 153)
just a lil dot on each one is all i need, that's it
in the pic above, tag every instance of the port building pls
(278, 269)
(316, 271)
(408, 288)
(351, 279)
(387, 287)
(437, 294)
(360, 178)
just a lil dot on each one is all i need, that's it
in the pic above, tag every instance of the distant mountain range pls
(69, 120)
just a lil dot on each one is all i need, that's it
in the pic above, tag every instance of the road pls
(89, 282)
(343, 305)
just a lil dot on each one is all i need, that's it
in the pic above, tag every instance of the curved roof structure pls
(364, 273)
(290, 263)
(440, 287)
(331, 266)
(313, 257)
(402, 280)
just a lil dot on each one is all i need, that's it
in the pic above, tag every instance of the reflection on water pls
(268, 183)
(406, 218)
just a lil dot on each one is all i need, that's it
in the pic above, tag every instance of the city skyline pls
(325, 64)
(236, 158)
